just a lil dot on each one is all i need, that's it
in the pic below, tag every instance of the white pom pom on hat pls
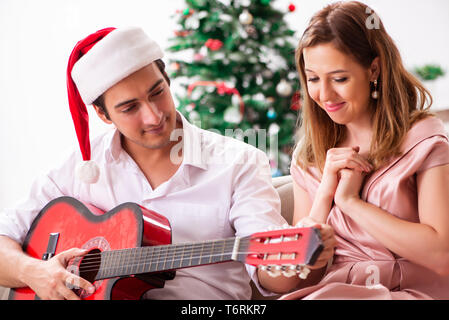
(97, 63)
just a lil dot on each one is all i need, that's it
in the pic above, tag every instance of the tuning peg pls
(304, 273)
(274, 274)
(289, 270)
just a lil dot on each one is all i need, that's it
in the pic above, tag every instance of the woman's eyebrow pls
(332, 72)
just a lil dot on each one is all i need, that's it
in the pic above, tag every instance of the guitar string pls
(168, 254)
(140, 264)
(172, 250)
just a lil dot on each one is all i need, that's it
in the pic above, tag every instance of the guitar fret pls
(106, 262)
(211, 252)
(184, 261)
(153, 266)
(173, 257)
(120, 270)
(159, 259)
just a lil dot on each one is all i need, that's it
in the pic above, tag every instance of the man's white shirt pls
(222, 189)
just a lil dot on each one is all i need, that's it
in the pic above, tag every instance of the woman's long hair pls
(355, 29)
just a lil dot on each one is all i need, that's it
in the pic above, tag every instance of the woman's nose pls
(326, 92)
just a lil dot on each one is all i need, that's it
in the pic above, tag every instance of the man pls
(207, 185)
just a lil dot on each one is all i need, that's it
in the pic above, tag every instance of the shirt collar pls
(192, 144)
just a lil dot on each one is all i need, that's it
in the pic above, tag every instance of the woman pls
(371, 162)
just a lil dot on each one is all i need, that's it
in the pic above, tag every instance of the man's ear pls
(102, 115)
(375, 69)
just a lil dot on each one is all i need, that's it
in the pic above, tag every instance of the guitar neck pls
(124, 262)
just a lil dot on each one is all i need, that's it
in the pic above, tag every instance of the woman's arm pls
(425, 243)
(302, 207)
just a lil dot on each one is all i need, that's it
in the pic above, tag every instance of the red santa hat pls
(97, 63)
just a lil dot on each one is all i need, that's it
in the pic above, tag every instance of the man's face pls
(142, 108)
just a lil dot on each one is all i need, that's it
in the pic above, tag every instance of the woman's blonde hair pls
(402, 101)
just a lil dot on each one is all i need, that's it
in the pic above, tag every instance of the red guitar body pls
(83, 226)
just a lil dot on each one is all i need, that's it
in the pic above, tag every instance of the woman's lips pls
(334, 106)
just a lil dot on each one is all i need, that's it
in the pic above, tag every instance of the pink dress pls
(362, 267)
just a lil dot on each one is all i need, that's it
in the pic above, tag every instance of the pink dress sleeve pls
(438, 154)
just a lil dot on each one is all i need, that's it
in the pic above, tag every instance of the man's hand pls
(51, 281)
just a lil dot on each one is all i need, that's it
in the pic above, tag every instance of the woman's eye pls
(313, 79)
(341, 80)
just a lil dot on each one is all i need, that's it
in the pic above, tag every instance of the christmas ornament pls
(295, 103)
(233, 115)
(175, 67)
(182, 33)
(192, 23)
(251, 31)
(291, 7)
(222, 89)
(214, 44)
(190, 107)
(284, 88)
(271, 114)
(187, 12)
(273, 129)
(245, 17)
(194, 116)
(245, 3)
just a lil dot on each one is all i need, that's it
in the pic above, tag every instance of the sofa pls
(284, 187)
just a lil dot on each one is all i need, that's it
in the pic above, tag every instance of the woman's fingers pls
(347, 158)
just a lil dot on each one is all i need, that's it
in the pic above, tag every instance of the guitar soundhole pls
(90, 265)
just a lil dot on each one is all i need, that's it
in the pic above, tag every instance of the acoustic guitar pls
(130, 251)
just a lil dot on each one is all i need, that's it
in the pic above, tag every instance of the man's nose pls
(151, 114)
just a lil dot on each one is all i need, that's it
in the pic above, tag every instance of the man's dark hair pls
(99, 102)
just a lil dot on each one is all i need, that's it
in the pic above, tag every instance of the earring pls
(375, 93)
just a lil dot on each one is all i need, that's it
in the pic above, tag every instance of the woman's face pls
(338, 83)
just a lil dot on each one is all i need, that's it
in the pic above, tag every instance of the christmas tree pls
(235, 60)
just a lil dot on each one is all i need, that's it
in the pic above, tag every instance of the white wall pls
(37, 37)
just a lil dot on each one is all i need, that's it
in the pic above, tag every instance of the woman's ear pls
(375, 69)
(102, 115)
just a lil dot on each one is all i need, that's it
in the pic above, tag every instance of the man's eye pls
(128, 109)
(158, 92)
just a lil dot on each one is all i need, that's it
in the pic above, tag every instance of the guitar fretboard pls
(140, 260)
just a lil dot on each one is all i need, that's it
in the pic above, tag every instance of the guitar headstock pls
(285, 250)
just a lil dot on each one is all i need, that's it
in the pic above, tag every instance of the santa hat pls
(97, 63)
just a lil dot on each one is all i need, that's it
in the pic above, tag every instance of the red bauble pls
(291, 7)
(295, 103)
(214, 44)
